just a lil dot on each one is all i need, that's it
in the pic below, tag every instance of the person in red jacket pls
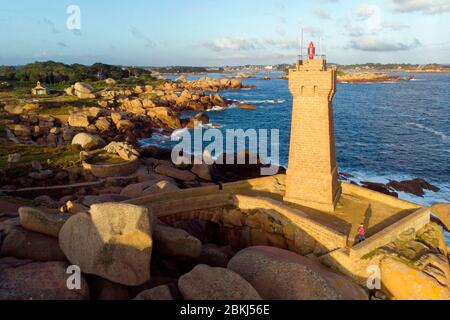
(361, 233)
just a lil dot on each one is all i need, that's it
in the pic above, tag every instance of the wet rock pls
(208, 283)
(26, 280)
(415, 186)
(113, 242)
(379, 187)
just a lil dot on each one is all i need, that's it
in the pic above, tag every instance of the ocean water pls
(383, 130)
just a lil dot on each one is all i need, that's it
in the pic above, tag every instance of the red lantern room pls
(311, 51)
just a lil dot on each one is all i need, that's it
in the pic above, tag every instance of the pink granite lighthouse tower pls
(312, 176)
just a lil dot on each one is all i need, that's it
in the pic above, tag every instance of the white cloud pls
(374, 44)
(424, 6)
(394, 25)
(230, 43)
(282, 43)
(367, 10)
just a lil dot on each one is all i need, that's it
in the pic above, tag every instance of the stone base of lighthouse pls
(316, 192)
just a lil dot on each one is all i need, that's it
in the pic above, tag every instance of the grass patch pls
(102, 157)
(51, 158)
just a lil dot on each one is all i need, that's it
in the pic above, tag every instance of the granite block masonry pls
(312, 175)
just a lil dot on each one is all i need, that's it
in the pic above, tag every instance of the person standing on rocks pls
(361, 233)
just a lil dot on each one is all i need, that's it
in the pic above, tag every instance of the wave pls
(431, 130)
(274, 101)
(219, 108)
(215, 108)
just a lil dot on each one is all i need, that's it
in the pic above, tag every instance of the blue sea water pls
(398, 130)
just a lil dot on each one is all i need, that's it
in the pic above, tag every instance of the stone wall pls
(415, 221)
(351, 189)
(307, 232)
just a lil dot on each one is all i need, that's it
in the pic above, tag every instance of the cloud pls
(230, 43)
(425, 6)
(321, 14)
(240, 44)
(394, 25)
(140, 36)
(282, 43)
(367, 10)
(52, 26)
(374, 44)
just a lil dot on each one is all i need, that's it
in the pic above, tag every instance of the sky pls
(220, 33)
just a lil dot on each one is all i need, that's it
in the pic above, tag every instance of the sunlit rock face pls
(113, 242)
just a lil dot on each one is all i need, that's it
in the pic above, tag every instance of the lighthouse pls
(312, 175)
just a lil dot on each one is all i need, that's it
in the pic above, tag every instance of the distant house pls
(40, 89)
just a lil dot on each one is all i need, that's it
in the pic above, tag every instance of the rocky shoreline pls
(66, 178)
(370, 78)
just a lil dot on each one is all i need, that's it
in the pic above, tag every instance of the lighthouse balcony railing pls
(305, 57)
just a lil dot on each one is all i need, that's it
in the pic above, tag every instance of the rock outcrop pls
(114, 242)
(415, 266)
(283, 275)
(81, 90)
(39, 221)
(442, 211)
(208, 283)
(88, 141)
(22, 244)
(26, 280)
(158, 293)
(172, 242)
(404, 282)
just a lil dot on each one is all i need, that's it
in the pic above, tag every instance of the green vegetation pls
(182, 69)
(52, 158)
(102, 157)
(54, 72)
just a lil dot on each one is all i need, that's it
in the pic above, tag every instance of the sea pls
(391, 130)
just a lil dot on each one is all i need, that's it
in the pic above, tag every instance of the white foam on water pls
(431, 130)
(274, 101)
(429, 198)
(177, 134)
(215, 108)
